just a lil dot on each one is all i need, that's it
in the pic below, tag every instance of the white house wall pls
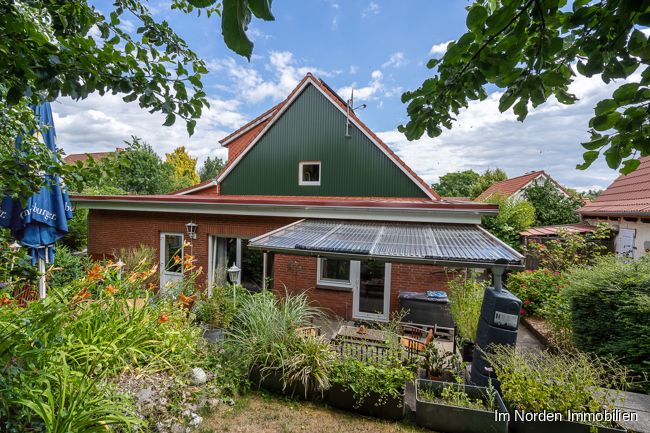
(641, 236)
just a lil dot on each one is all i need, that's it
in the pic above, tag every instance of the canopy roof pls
(434, 243)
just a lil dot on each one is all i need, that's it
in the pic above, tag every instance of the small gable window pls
(309, 173)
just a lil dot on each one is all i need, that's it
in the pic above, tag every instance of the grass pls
(257, 412)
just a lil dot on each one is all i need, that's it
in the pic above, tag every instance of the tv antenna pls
(351, 108)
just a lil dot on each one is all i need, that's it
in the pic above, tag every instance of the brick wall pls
(298, 273)
(108, 231)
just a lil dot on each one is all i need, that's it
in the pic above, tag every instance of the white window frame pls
(302, 182)
(330, 282)
(356, 294)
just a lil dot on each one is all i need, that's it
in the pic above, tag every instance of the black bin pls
(424, 310)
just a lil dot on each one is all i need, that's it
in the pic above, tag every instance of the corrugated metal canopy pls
(450, 244)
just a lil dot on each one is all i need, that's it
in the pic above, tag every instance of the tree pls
(141, 171)
(456, 184)
(486, 180)
(515, 215)
(51, 49)
(184, 167)
(533, 49)
(551, 206)
(211, 168)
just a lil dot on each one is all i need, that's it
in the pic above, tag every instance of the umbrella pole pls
(41, 281)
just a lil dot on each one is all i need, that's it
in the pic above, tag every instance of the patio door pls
(371, 290)
(171, 260)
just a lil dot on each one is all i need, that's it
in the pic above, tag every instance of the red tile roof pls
(205, 183)
(386, 202)
(553, 230)
(453, 198)
(508, 187)
(244, 136)
(629, 195)
(83, 157)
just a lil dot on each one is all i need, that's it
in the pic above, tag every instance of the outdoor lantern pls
(233, 273)
(191, 229)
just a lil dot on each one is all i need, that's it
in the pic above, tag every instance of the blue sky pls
(379, 48)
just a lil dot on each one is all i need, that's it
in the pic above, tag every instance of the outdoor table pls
(352, 332)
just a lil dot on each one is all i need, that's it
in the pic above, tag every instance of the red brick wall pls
(298, 273)
(108, 231)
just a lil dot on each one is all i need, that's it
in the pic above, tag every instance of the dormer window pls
(309, 173)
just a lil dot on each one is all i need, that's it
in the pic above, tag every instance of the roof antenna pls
(350, 108)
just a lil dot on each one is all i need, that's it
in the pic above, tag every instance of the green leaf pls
(596, 143)
(605, 106)
(506, 100)
(589, 158)
(191, 124)
(170, 119)
(521, 109)
(261, 9)
(234, 23)
(476, 17)
(613, 157)
(625, 93)
(630, 165)
(201, 3)
(433, 63)
(605, 121)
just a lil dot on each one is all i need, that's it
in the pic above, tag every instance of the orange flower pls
(177, 259)
(5, 301)
(95, 273)
(151, 286)
(163, 318)
(186, 301)
(111, 290)
(83, 294)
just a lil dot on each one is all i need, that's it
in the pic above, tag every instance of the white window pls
(334, 273)
(309, 173)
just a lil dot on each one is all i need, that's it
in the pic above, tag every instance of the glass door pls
(371, 291)
(171, 260)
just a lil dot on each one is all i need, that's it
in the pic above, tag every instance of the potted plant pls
(369, 389)
(465, 300)
(435, 362)
(459, 408)
(534, 383)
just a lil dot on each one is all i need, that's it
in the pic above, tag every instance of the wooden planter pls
(453, 419)
(343, 398)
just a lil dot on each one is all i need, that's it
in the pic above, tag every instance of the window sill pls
(323, 286)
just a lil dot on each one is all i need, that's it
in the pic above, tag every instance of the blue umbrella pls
(44, 219)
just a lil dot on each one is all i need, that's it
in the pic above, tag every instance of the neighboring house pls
(515, 187)
(310, 200)
(625, 205)
(83, 157)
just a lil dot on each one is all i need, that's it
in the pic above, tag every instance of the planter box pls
(343, 398)
(453, 419)
(519, 426)
(272, 382)
(467, 351)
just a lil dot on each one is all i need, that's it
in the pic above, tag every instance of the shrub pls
(610, 304)
(67, 268)
(385, 379)
(515, 215)
(220, 309)
(465, 300)
(264, 336)
(533, 381)
(535, 289)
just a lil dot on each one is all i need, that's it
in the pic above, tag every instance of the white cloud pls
(354, 69)
(482, 138)
(101, 123)
(371, 9)
(374, 88)
(396, 60)
(250, 85)
(440, 48)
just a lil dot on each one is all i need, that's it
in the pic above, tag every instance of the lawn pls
(261, 412)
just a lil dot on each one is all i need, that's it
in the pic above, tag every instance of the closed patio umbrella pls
(44, 219)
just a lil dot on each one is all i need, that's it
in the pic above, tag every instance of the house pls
(515, 187)
(83, 157)
(625, 205)
(310, 200)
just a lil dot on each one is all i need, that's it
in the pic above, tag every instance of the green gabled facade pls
(312, 128)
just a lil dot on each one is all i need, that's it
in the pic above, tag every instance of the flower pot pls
(272, 381)
(453, 419)
(519, 425)
(392, 408)
(467, 351)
